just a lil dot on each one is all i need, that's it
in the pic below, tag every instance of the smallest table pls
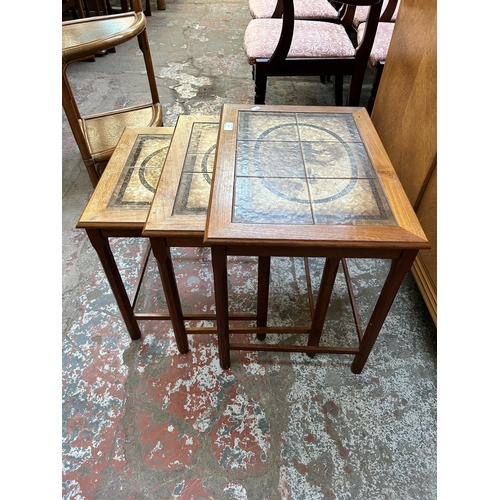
(311, 182)
(119, 207)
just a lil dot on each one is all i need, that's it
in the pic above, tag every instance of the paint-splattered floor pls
(141, 421)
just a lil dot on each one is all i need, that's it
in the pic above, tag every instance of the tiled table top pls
(128, 184)
(305, 168)
(297, 175)
(183, 191)
(196, 177)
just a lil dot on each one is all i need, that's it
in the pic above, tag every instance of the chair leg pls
(339, 90)
(260, 77)
(355, 88)
(378, 75)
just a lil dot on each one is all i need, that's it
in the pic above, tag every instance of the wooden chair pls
(378, 54)
(76, 7)
(96, 8)
(381, 42)
(124, 7)
(290, 47)
(304, 9)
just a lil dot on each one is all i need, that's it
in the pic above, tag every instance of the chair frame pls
(385, 17)
(280, 65)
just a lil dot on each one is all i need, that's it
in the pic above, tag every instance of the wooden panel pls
(425, 267)
(405, 117)
(404, 113)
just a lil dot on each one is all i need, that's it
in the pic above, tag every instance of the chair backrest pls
(365, 44)
(364, 47)
(389, 10)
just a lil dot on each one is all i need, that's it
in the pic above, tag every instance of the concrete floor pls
(141, 421)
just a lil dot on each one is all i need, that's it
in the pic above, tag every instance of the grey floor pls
(372, 436)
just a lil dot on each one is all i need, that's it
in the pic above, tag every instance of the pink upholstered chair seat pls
(361, 13)
(310, 39)
(304, 9)
(381, 42)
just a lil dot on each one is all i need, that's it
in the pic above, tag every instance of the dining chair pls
(304, 9)
(319, 10)
(378, 54)
(293, 47)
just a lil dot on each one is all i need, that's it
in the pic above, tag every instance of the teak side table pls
(311, 182)
(119, 207)
(177, 216)
(97, 135)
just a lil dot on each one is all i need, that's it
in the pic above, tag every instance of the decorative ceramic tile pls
(349, 201)
(267, 126)
(194, 187)
(306, 169)
(272, 199)
(258, 159)
(327, 127)
(137, 183)
(336, 160)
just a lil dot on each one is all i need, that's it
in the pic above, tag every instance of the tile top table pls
(120, 203)
(312, 182)
(177, 216)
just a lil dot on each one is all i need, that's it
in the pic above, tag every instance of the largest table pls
(311, 182)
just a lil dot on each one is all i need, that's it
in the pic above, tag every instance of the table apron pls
(354, 253)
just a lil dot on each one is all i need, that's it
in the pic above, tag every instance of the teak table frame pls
(167, 226)
(398, 239)
(105, 218)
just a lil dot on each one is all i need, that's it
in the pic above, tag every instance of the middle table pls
(178, 212)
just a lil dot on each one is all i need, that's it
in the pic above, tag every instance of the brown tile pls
(258, 158)
(268, 126)
(271, 200)
(193, 194)
(349, 201)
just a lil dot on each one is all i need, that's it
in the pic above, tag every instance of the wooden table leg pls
(398, 271)
(163, 257)
(219, 264)
(101, 245)
(263, 293)
(325, 292)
